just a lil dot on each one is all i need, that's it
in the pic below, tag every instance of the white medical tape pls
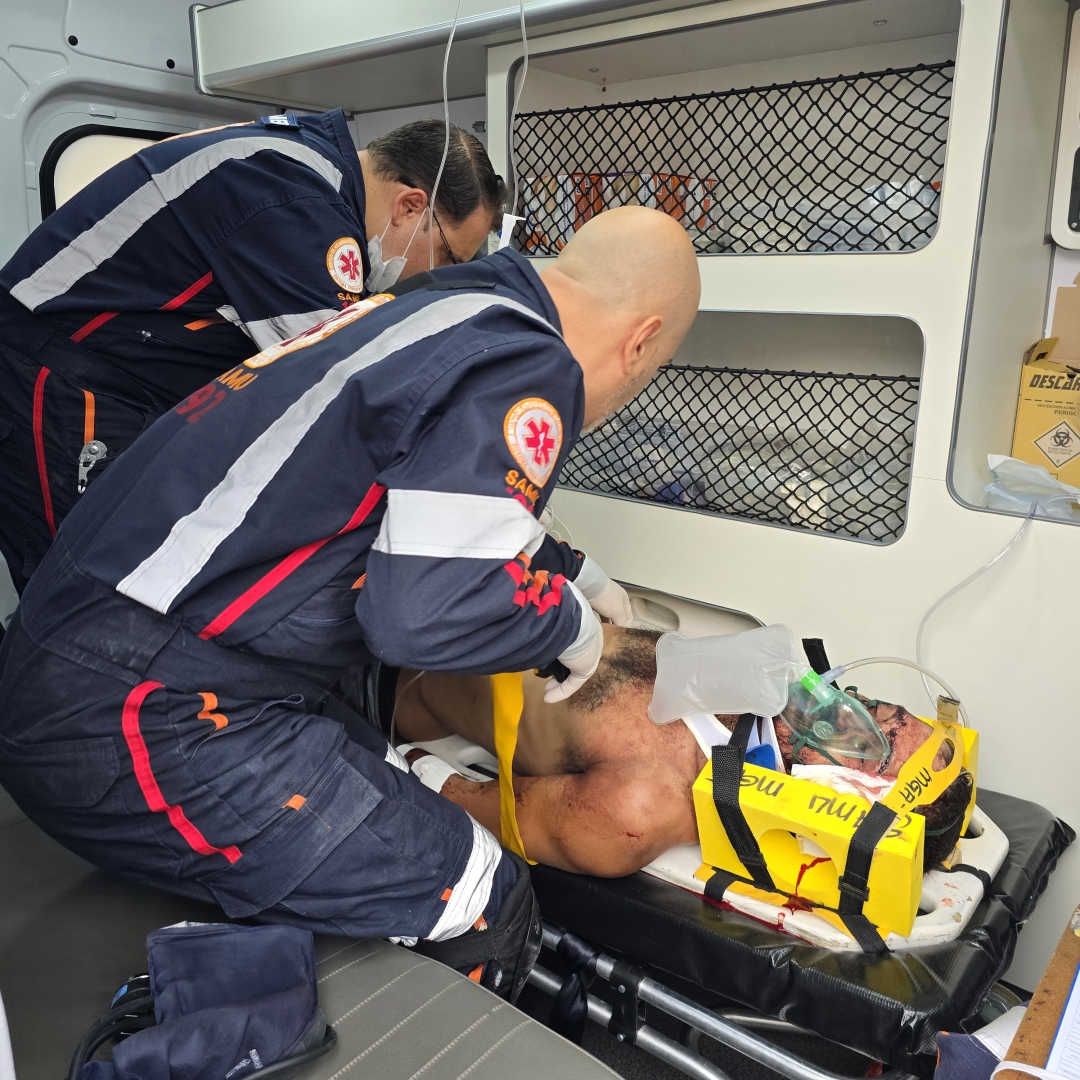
(108, 234)
(432, 771)
(453, 525)
(166, 572)
(472, 891)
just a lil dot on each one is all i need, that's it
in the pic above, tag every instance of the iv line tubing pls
(517, 99)
(446, 141)
(843, 669)
(954, 590)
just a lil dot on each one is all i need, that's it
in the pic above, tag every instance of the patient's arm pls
(609, 820)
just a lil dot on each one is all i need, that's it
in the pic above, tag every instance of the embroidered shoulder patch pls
(534, 434)
(345, 264)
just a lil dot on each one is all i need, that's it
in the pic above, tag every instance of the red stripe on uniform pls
(93, 324)
(148, 785)
(39, 447)
(275, 577)
(189, 292)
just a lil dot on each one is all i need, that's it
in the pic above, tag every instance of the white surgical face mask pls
(384, 274)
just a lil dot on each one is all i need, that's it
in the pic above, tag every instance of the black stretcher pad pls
(887, 1007)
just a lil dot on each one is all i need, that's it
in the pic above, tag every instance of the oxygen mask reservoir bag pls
(729, 673)
(757, 672)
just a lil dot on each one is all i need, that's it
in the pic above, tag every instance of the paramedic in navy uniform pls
(366, 493)
(186, 259)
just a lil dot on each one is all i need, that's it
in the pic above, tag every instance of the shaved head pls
(641, 261)
(626, 287)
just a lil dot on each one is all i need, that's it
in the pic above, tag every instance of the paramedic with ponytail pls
(175, 678)
(189, 257)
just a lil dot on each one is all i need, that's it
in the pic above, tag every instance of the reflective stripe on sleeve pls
(193, 539)
(108, 234)
(444, 525)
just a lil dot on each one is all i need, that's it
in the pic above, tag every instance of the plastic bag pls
(1018, 486)
(729, 673)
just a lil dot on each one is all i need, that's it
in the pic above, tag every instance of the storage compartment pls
(848, 159)
(1013, 280)
(786, 441)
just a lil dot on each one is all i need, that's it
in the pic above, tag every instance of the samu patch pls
(345, 264)
(534, 434)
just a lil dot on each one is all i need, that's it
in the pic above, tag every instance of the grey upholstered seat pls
(70, 935)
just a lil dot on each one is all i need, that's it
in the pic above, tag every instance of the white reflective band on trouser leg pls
(450, 525)
(393, 757)
(470, 894)
(165, 573)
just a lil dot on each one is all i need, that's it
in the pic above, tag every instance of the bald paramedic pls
(369, 491)
(188, 258)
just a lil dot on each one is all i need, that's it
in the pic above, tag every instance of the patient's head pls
(905, 734)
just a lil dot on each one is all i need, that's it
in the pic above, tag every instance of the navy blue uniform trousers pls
(58, 396)
(190, 767)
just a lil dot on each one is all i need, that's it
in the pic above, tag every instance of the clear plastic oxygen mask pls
(757, 672)
(831, 722)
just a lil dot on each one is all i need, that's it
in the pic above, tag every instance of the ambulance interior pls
(882, 197)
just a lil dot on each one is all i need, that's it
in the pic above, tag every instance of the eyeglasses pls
(449, 250)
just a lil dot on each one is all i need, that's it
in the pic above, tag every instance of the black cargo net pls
(831, 453)
(851, 163)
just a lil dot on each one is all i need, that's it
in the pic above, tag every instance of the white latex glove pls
(582, 657)
(605, 596)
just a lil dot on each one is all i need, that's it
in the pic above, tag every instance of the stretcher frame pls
(732, 1027)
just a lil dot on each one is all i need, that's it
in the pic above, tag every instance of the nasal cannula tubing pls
(954, 590)
(836, 672)
(446, 141)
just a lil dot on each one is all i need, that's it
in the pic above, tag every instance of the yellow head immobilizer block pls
(804, 829)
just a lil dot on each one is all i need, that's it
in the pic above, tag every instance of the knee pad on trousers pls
(507, 949)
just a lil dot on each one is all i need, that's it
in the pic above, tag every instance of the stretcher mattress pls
(889, 1007)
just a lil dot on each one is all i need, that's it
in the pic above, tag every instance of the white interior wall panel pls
(1009, 643)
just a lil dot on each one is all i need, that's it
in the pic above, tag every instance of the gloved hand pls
(605, 596)
(583, 655)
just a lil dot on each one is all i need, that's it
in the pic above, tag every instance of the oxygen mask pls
(834, 724)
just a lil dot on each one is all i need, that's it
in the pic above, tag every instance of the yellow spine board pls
(508, 701)
(779, 810)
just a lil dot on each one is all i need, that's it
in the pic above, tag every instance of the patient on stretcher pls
(600, 789)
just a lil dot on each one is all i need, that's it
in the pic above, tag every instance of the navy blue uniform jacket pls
(370, 487)
(198, 251)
